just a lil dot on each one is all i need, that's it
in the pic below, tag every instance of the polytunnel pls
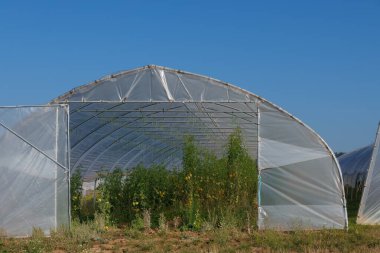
(141, 116)
(361, 174)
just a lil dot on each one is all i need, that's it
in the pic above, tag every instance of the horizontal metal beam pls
(146, 120)
(177, 117)
(157, 102)
(194, 134)
(176, 127)
(165, 111)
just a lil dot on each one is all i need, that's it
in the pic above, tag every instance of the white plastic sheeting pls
(361, 174)
(369, 210)
(142, 115)
(33, 169)
(300, 184)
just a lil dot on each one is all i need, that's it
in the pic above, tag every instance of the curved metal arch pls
(109, 148)
(113, 131)
(170, 157)
(143, 142)
(93, 116)
(99, 141)
(252, 97)
(104, 124)
(126, 154)
(64, 98)
(105, 136)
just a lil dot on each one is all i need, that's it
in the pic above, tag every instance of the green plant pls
(207, 189)
(99, 222)
(76, 194)
(36, 242)
(147, 219)
(83, 232)
(132, 233)
(215, 189)
(109, 202)
(162, 224)
(138, 224)
(241, 185)
(37, 233)
(88, 209)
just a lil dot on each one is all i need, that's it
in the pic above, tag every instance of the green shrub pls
(241, 188)
(76, 194)
(138, 223)
(109, 202)
(151, 189)
(216, 189)
(212, 190)
(87, 207)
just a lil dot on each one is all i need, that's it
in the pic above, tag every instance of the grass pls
(95, 236)
(90, 238)
(81, 236)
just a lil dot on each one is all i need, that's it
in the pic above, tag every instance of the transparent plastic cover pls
(34, 169)
(142, 115)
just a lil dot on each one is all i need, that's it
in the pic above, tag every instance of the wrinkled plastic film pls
(33, 185)
(301, 186)
(369, 210)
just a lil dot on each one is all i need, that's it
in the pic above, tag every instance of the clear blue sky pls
(319, 60)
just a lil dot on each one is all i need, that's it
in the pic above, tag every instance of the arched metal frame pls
(158, 106)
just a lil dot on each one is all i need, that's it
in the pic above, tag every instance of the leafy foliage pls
(76, 194)
(208, 191)
(219, 189)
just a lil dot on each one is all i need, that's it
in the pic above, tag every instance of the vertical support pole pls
(68, 161)
(56, 168)
(258, 165)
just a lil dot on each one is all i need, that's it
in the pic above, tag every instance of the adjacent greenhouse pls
(141, 117)
(361, 174)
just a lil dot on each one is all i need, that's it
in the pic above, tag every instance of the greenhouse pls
(141, 117)
(361, 175)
